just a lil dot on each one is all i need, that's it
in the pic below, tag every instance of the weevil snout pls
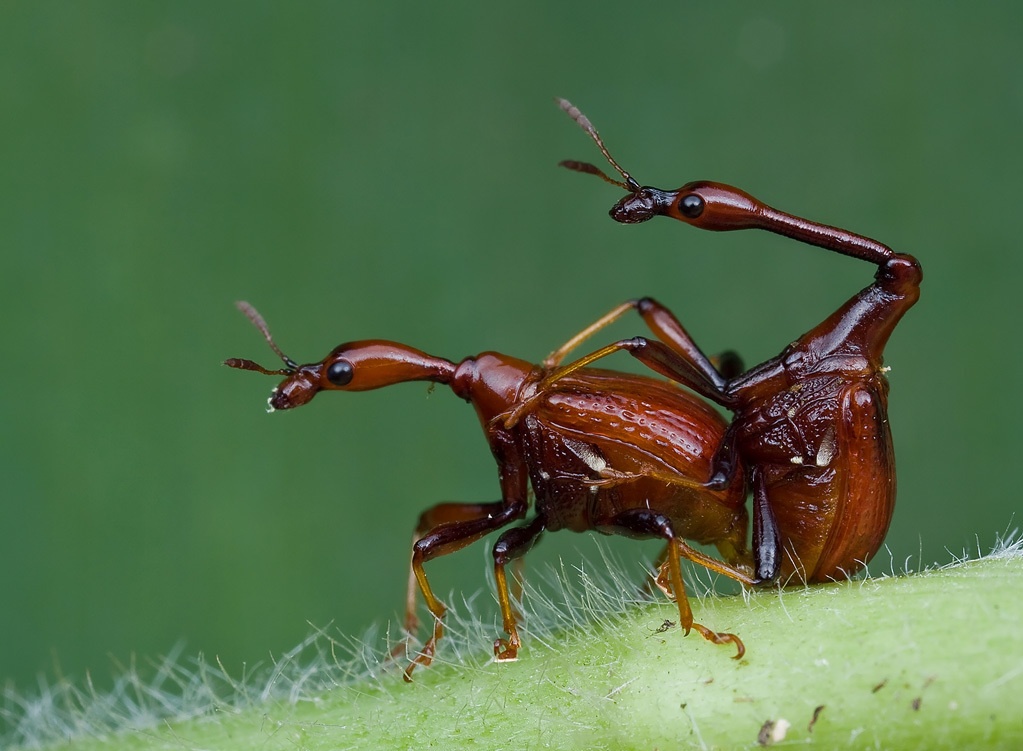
(642, 205)
(297, 389)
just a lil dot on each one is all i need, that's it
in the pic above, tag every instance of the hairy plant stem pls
(932, 660)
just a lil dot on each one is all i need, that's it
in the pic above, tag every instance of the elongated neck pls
(405, 363)
(822, 235)
(427, 368)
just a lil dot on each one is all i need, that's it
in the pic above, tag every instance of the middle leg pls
(511, 546)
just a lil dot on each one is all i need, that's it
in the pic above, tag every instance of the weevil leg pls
(722, 637)
(766, 537)
(455, 535)
(608, 477)
(656, 355)
(429, 520)
(511, 546)
(688, 364)
(677, 548)
(442, 540)
(735, 566)
(555, 358)
(669, 330)
(729, 364)
(646, 523)
(733, 546)
(660, 358)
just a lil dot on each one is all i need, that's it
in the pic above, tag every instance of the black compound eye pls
(691, 206)
(340, 373)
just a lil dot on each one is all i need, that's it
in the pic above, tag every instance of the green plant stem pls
(932, 660)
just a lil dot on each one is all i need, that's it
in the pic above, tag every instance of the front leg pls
(442, 540)
(455, 535)
(429, 521)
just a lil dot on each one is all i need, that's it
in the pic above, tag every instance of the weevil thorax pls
(493, 383)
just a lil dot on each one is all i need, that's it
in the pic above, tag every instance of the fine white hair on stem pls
(562, 607)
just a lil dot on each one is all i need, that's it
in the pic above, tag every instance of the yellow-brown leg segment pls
(733, 547)
(723, 637)
(713, 564)
(736, 560)
(656, 355)
(511, 546)
(555, 358)
(506, 650)
(678, 588)
(429, 520)
(669, 580)
(610, 477)
(647, 523)
(507, 596)
(437, 609)
(674, 355)
(466, 523)
(667, 328)
(512, 417)
(685, 612)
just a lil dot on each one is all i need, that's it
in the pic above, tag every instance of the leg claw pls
(505, 651)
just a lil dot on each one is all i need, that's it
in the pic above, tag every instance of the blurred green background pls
(381, 170)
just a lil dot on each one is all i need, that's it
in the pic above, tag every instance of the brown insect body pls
(810, 425)
(627, 455)
(639, 429)
(821, 455)
(612, 452)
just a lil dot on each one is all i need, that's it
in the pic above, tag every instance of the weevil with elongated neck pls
(810, 426)
(616, 453)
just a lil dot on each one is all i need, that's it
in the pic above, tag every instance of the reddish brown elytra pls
(810, 425)
(611, 452)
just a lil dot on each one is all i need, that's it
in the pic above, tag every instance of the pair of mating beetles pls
(629, 455)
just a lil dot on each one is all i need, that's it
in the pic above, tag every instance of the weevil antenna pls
(257, 320)
(576, 114)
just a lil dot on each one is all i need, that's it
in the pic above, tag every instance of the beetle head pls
(703, 204)
(355, 366)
